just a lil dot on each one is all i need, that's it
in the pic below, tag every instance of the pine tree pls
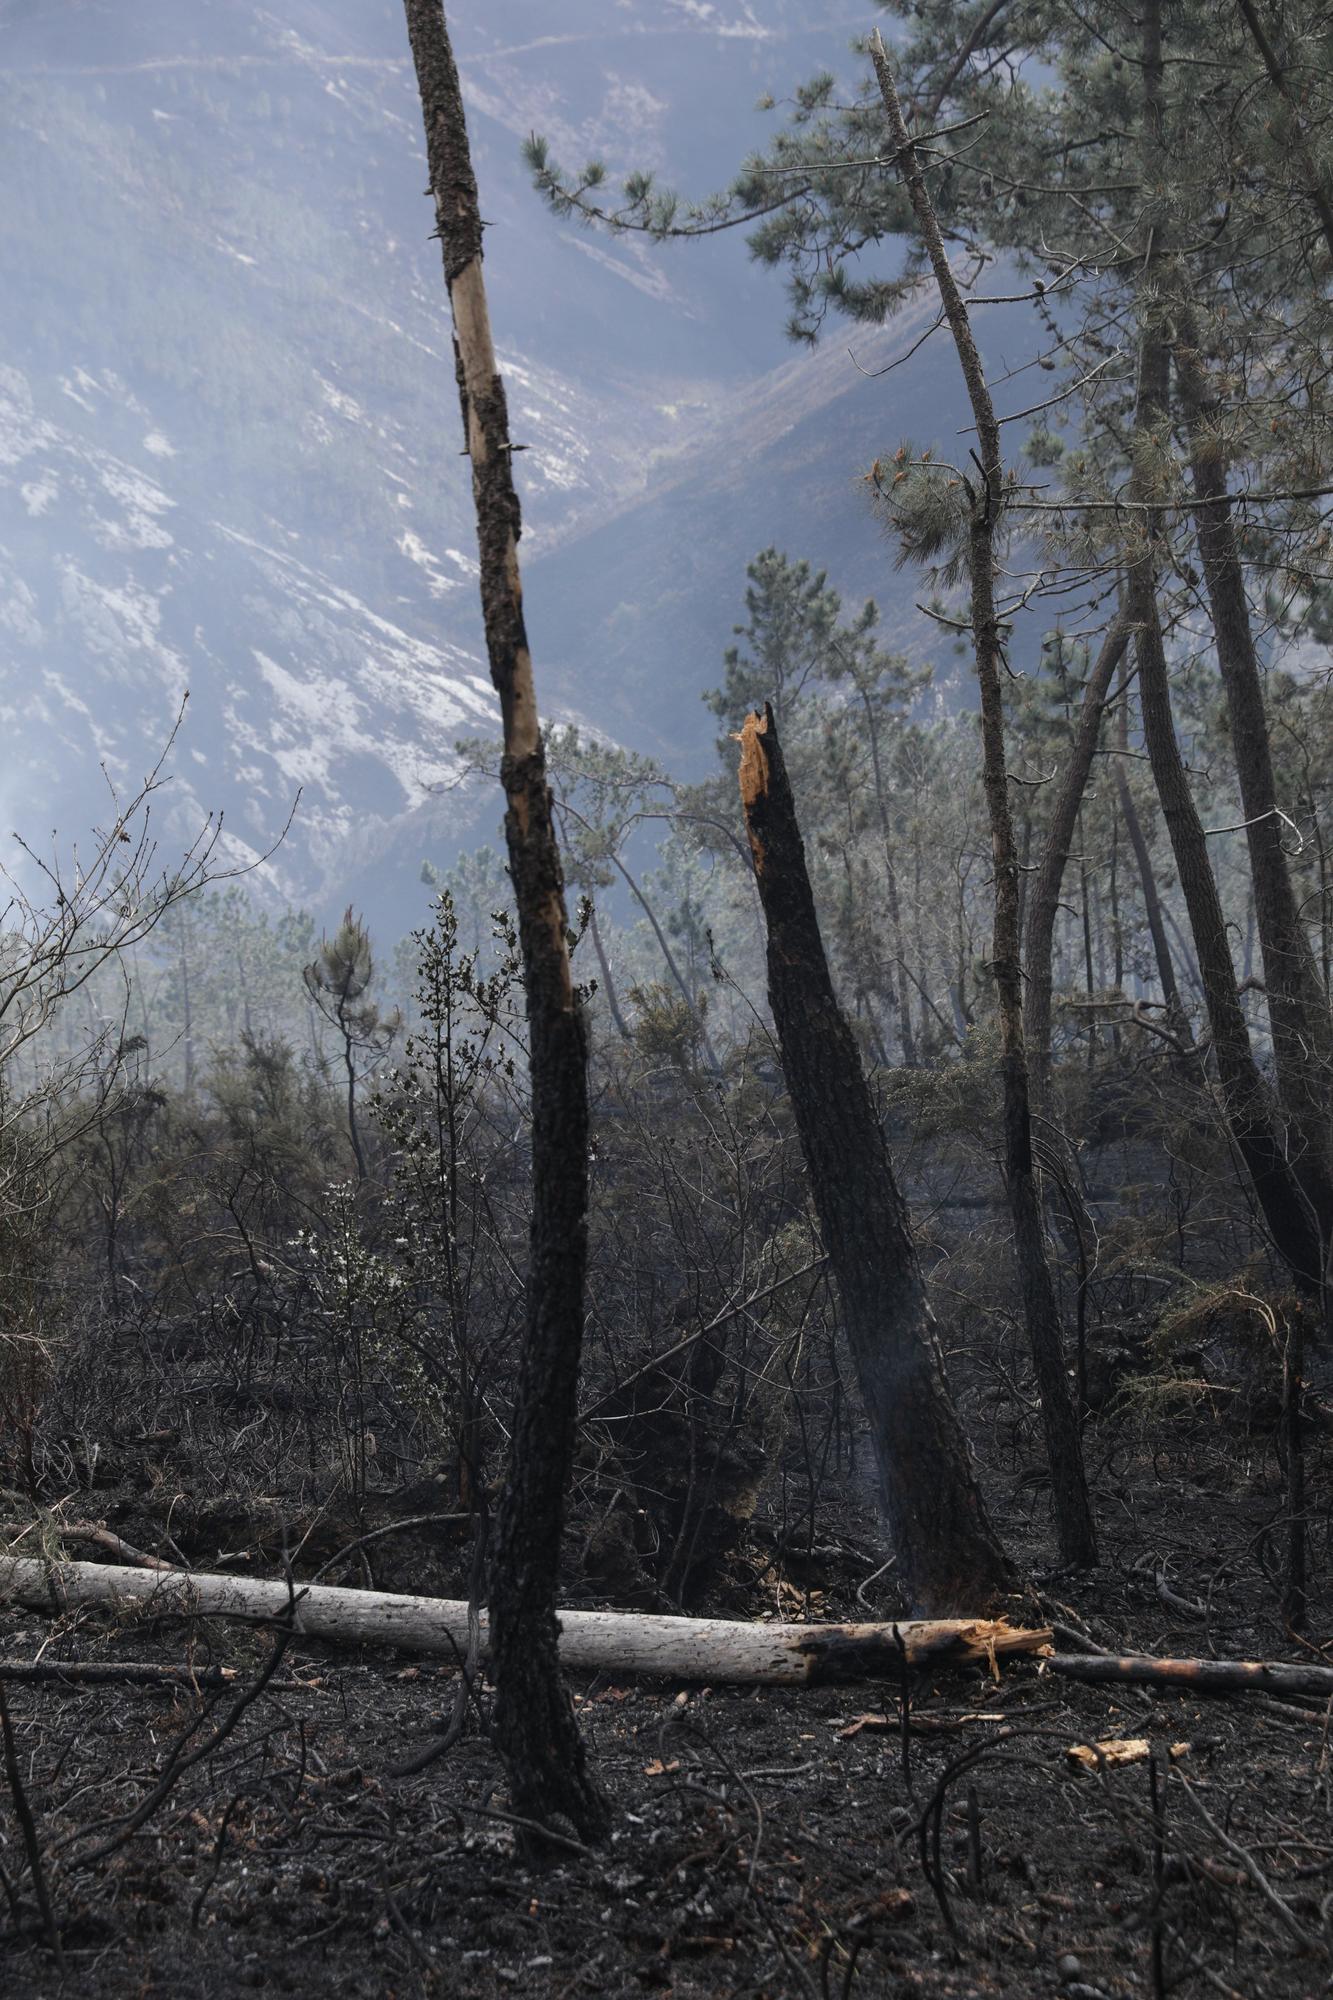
(338, 982)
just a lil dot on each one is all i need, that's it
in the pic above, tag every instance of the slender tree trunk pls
(865, 1007)
(608, 983)
(1293, 1226)
(1245, 1096)
(316, 1050)
(1024, 863)
(682, 985)
(1073, 1510)
(1085, 898)
(898, 984)
(349, 1064)
(1177, 1019)
(948, 1553)
(928, 1007)
(1294, 1596)
(1045, 897)
(1117, 916)
(1297, 1006)
(1184, 953)
(534, 1720)
(1325, 900)
(1247, 954)
(186, 1008)
(919, 944)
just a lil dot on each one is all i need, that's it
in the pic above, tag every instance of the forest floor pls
(766, 1842)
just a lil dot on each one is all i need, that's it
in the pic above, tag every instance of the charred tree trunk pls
(1246, 1101)
(1045, 897)
(535, 1727)
(948, 1553)
(1248, 1108)
(1297, 1004)
(1073, 1510)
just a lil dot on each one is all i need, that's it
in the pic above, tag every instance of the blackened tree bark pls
(1246, 1102)
(1297, 1004)
(534, 1720)
(1064, 1450)
(1045, 894)
(1292, 1223)
(949, 1557)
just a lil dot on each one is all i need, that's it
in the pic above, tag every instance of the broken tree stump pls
(690, 1649)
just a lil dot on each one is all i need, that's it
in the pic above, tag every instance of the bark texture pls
(948, 1554)
(1064, 1450)
(535, 1727)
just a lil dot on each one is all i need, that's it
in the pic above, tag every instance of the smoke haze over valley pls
(228, 433)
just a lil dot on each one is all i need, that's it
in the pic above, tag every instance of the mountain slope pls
(228, 426)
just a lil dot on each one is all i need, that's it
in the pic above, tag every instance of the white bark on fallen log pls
(623, 1642)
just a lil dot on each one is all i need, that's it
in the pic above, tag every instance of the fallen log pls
(1194, 1676)
(103, 1673)
(689, 1649)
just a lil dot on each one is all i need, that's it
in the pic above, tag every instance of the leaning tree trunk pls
(1073, 1510)
(1248, 1108)
(949, 1557)
(1297, 1003)
(534, 1720)
(1045, 896)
